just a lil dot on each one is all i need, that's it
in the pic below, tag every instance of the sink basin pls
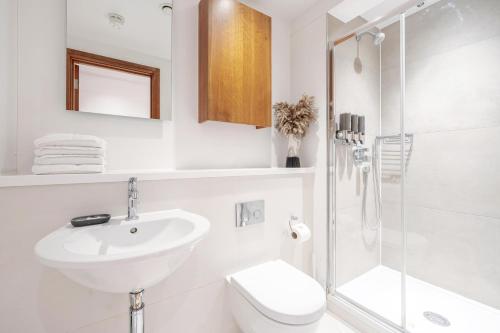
(122, 256)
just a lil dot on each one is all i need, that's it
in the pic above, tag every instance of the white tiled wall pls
(192, 300)
(453, 110)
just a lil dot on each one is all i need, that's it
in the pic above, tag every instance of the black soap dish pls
(84, 221)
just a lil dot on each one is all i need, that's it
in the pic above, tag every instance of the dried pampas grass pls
(294, 119)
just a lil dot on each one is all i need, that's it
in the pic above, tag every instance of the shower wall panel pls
(453, 110)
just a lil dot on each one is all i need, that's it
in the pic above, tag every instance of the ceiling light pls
(116, 20)
(167, 8)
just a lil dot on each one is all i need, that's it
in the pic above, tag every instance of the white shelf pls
(124, 175)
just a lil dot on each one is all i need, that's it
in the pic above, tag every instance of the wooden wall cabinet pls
(234, 63)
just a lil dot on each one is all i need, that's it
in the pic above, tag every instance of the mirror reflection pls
(118, 59)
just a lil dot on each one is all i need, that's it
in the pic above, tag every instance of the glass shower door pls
(366, 178)
(416, 225)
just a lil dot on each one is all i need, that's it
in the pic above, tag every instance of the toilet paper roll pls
(300, 232)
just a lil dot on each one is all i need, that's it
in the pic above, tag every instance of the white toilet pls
(275, 297)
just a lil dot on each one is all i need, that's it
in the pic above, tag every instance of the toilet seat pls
(281, 292)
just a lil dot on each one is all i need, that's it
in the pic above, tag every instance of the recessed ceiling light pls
(116, 20)
(167, 7)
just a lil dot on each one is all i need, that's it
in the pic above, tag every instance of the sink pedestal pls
(136, 311)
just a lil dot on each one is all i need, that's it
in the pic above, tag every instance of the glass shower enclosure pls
(414, 186)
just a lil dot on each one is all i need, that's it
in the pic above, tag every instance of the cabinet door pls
(235, 63)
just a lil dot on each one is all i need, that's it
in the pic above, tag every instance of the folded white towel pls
(66, 169)
(74, 140)
(69, 159)
(68, 150)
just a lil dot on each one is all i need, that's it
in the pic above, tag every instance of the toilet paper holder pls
(292, 221)
(298, 230)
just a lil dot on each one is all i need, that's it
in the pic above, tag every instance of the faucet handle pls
(133, 198)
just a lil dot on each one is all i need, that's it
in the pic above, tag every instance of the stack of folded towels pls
(69, 153)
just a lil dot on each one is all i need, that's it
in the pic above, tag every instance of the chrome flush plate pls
(248, 213)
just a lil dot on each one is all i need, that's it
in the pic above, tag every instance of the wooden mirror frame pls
(75, 57)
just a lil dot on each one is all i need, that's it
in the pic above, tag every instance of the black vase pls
(292, 162)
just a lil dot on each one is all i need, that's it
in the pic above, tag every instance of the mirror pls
(118, 57)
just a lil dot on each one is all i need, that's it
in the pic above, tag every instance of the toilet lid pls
(281, 292)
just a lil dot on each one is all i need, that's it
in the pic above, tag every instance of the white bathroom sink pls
(122, 256)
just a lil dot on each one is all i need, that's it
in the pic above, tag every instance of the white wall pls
(216, 144)
(182, 143)
(192, 300)
(452, 108)
(8, 85)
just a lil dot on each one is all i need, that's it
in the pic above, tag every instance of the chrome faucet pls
(133, 198)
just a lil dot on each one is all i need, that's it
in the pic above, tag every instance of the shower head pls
(378, 37)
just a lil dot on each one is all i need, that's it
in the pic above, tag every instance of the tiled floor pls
(379, 291)
(330, 324)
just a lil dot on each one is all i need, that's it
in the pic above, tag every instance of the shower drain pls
(437, 319)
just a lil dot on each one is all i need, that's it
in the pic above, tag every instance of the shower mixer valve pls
(361, 156)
